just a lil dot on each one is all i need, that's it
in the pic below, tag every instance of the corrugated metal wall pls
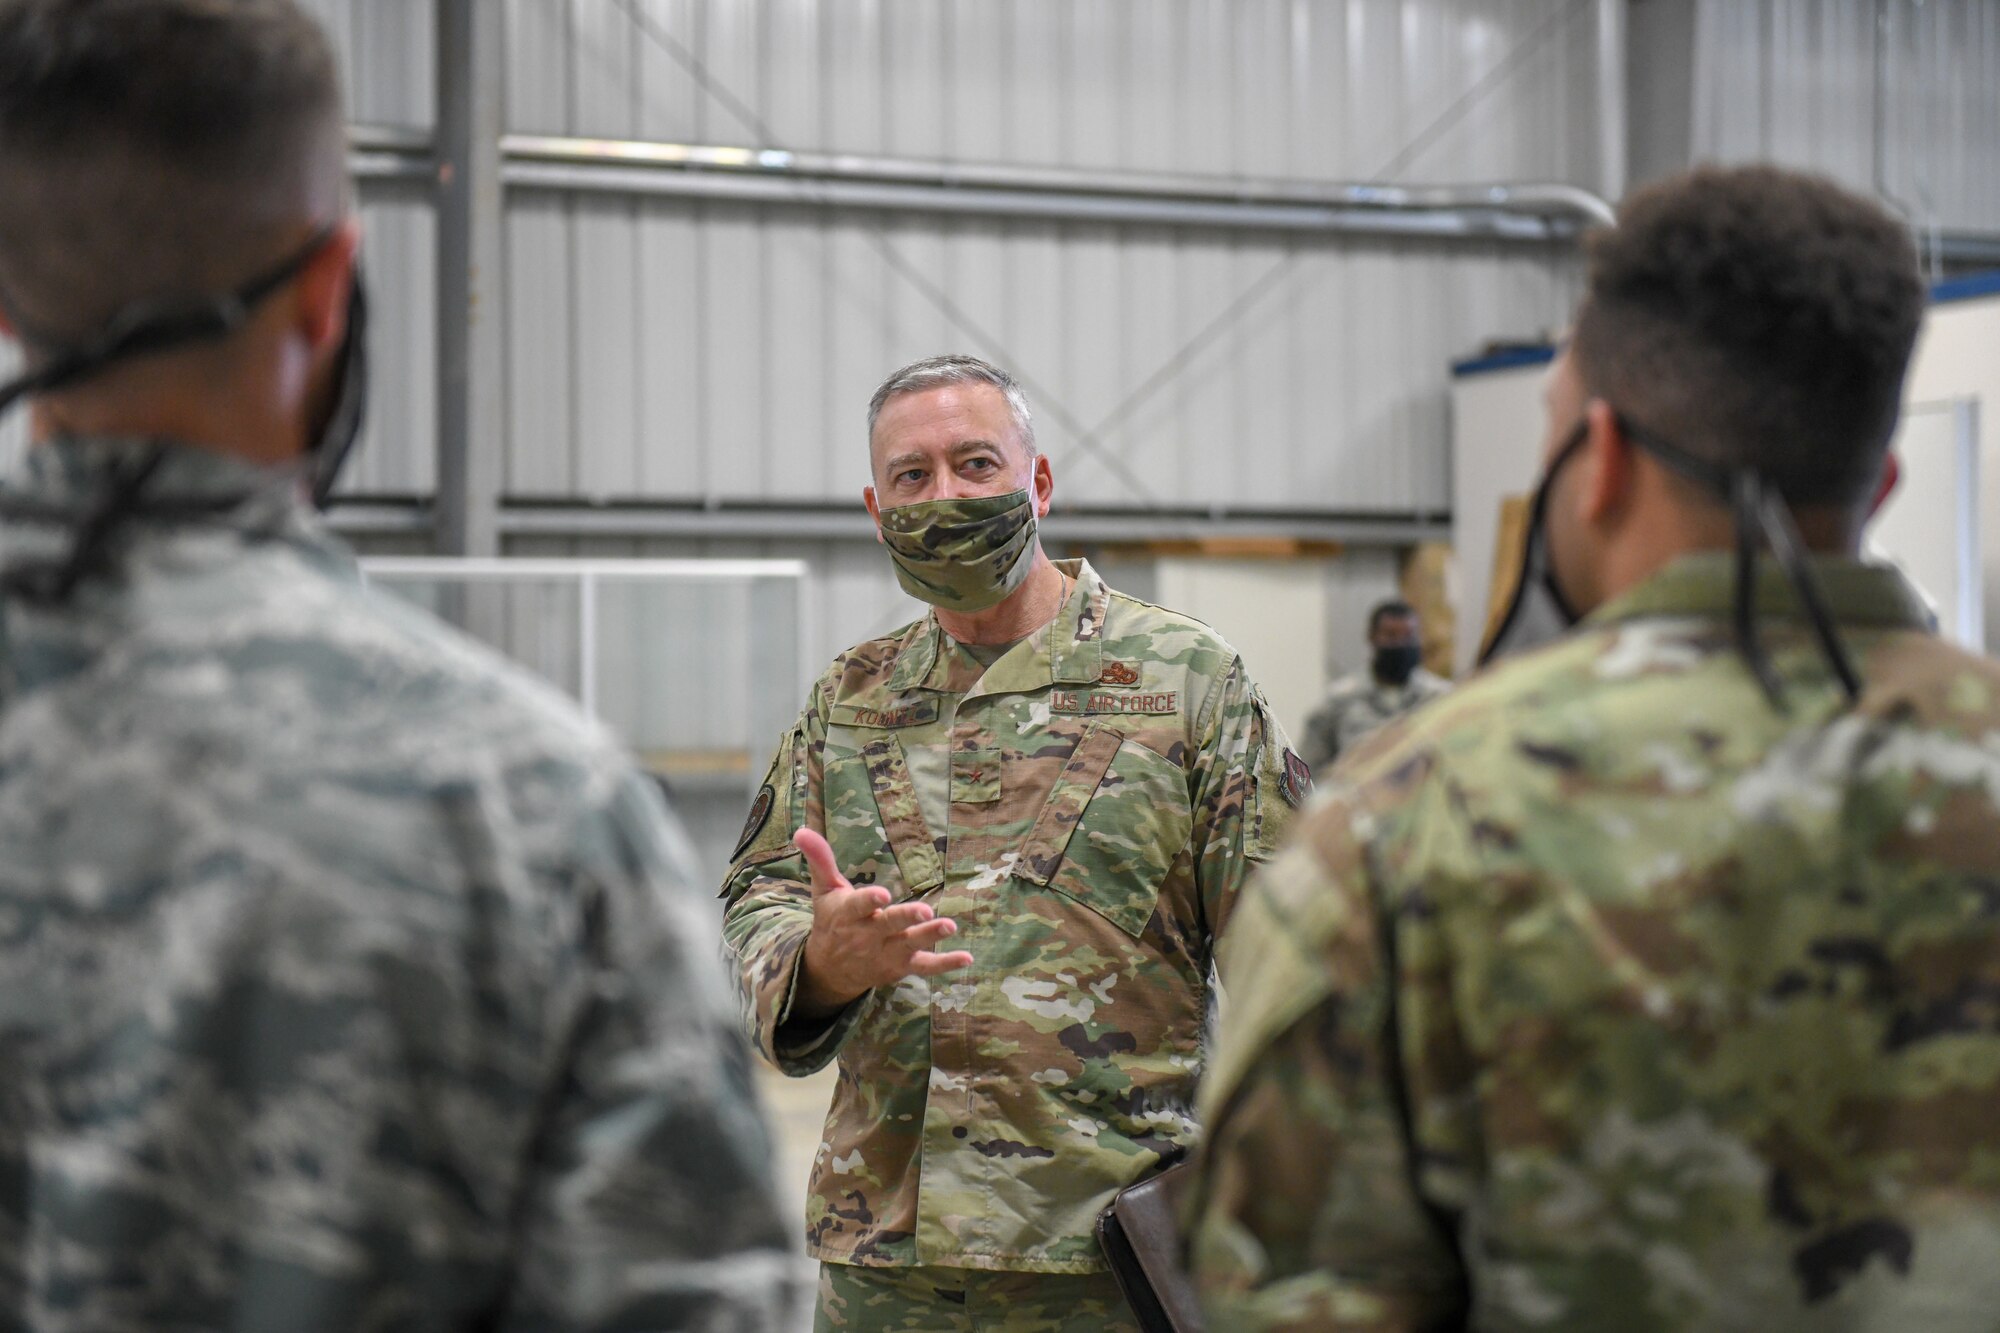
(1307, 88)
(670, 349)
(696, 352)
(709, 351)
(1795, 81)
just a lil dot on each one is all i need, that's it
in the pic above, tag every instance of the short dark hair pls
(154, 148)
(1757, 318)
(1394, 608)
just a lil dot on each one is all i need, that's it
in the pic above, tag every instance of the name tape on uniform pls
(1071, 701)
(914, 714)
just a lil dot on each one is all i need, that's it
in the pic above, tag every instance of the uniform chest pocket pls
(1111, 829)
(873, 821)
(975, 777)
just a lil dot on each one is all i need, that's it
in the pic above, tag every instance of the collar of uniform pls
(1077, 632)
(1069, 650)
(59, 481)
(1704, 584)
(73, 474)
(917, 655)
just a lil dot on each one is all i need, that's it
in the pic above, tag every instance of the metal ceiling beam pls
(379, 518)
(390, 152)
(528, 518)
(842, 523)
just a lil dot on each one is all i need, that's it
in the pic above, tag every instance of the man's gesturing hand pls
(859, 941)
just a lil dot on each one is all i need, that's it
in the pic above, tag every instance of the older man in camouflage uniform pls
(348, 979)
(1069, 785)
(1652, 981)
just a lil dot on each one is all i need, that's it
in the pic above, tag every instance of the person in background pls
(1651, 980)
(1393, 683)
(349, 979)
(1064, 785)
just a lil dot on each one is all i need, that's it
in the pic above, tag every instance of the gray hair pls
(936, 372)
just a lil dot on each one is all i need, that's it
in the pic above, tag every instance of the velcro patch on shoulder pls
(760, 814)
(913, 713)
(1296, 781)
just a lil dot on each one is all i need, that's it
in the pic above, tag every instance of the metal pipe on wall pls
(1519, 211)
(1374, 221)
(1525, 211)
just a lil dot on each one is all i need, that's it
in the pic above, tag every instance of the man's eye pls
(910, 478)
(972, 463)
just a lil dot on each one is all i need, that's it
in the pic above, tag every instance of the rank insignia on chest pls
(1118, 673)
(1095, 702)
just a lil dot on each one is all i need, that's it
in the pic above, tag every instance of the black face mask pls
(1394, 664)
(155, 326)
(1761, 516)
(1539, 611)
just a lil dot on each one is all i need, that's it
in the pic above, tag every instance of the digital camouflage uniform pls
(1085, 809)
(1604, 995)
(1356, 706)
(349, 979)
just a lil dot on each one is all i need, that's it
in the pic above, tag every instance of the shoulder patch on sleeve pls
(760, 814)
(1296, 781)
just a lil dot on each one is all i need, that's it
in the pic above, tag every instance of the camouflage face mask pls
(962, 555)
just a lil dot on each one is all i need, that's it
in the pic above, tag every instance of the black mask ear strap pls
(1534, 554)
(155, 326)
(333, 441)
(1776, 521)
(151, 327)
(1761, 514)
(49, 582)
(1747, 503)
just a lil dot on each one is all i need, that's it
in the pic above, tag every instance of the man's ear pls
(1043, 483)
(1892, 475)
(1606, 465)
(874, 509)
(321, 304)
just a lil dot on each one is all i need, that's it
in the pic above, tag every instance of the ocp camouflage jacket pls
(1602, 994)
(1085, 809)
